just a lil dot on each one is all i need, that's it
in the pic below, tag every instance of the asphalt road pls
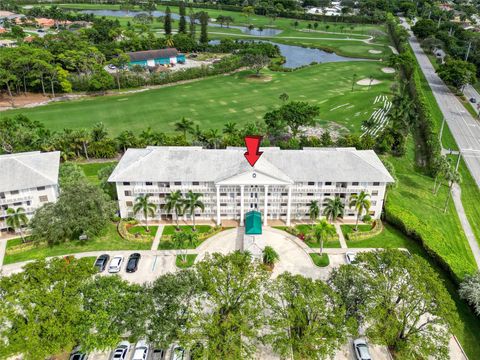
(470, 92)
(465, 129)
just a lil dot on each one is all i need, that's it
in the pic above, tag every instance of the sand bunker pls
(388, 70)
(375, 51)
(367, 82)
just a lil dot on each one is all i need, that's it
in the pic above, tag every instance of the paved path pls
(158, 235)
(467, 229)
(343, 243)
(465, 129)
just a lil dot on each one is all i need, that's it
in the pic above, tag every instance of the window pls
(128, 193)
(309, 194)
(43, 198)
(284, 194)
(14, 192)
(311, 183)
(177, 183)
(374, 202)
(326, 194)
(129, 203)
(376, 184)
(17, 204)
(283, 204)
(328, 183)
(41, 188)
(195, 183)
(354, 183)
(148, 183)
(223, 194)
(126, 183)
(2, 195)
(374, 193)
(223, 204)
(29, 203)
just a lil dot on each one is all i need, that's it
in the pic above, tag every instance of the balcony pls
(12, 200)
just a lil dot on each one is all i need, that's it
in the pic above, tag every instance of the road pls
(470, 92)
(465, 129)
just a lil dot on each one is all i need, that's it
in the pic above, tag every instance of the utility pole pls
(468, 51)
(441, 130)
(458, 160)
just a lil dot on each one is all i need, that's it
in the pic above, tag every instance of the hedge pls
(377, 228)
(125, 234)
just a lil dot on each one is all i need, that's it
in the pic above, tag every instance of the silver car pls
(141, 350)
(360, 347)
(350, 257)
(115, 264)
(120, 353)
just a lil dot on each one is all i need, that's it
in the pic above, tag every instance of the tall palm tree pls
(314, 211)
(334, 209)
(322, 231)
(360, 202)
(213, 137)
(191, 203)
(146, 207)
(184, 126)
(174, 203)
(16, 219)
(230, 129)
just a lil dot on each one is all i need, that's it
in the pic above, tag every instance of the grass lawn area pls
(91, 170)
(320, 261)
(347, 229)
(183, 265)
(170, 229)
(208, 101)
(109, 240)
(142, 230)
(470, 199)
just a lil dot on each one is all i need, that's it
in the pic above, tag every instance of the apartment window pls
(326, 194)
(195, 183)
(284, 194)
(223, 204)
(309, 194)
(372, 213)
(43, 198)
(148, 183)
(126, 183)
(41, 188)
(128, 193)
(129, 203)
(14, 192)
(2, 195)
(17, 204)
(311, 183)
(374, 193)
(177, 183)
(28, 203)
(354, 183)
(283, 204)
(342, 196)
(283, 214)
(376, 184)
(223, 194)
(328, 183)
(374, 202)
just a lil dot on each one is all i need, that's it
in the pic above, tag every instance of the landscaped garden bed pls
(185, 264)
(364, 231)
(203, 232)
(302, 230)
(320, 260)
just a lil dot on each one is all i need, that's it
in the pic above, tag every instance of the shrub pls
(470, 291)
(367, 218)
(270, 256)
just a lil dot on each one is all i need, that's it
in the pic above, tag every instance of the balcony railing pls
(15, 199)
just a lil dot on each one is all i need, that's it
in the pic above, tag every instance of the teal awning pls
(253, 223)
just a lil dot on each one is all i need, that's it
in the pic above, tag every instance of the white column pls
(265, 210)
(289, 204)
(219, 220)
(242, 210)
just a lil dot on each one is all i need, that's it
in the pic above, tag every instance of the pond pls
(297, 56)
(266, 32)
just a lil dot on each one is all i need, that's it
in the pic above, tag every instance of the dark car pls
(101, 262)
(473, 100)
(133, 261)
(78, 355)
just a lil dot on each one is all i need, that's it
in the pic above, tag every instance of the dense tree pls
(256, 61)
(424, 28)
(109, 187)
(457, 73)
(305, 318)
(167, 21)
(294, 115)
(184, 126)
(20, 134)
(203, 27)
(69, 173)
(182, 24)
(226, 317)
(470, 291)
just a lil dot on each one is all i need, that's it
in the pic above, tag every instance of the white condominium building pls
(281, 185)
(27, 180)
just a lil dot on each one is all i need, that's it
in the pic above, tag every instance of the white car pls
(350, 257)
(115, 264)
(360, 347)
(141, 350)
(179, 353)
(121, 351)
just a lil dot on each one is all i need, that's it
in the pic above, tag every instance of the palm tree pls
(322, 231)
(146, 207)
(230, 129)
(334, 208)
(184, 126)
(174, 203)
(213, 137)
(360, 202)
(191, 203)
(16, 219)
(314, 211)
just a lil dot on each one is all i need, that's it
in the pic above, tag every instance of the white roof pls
(28, 170)
(158, 164)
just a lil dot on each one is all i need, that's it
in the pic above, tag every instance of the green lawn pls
(348, 229)
(170, 229)
(183, 265)
(320, 261)
(142, 230)
(110, 240)
(470, 199)
(214, 101)
(91, 170)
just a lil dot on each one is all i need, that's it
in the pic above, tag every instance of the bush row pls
(122, 228)
(377, 228)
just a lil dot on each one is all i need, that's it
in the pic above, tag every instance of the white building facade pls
(281, 185)
(27, 180)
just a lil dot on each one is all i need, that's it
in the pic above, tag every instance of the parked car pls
(141, 350)
(473, 100)
(78, 355)
(101, 262)
(132, 264)
(158, 354)
(115, 264)
(112, 67)
(360, 347)
(350, 257)
(121, 351)
(179, 353)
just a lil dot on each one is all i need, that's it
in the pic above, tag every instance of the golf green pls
(212, 102)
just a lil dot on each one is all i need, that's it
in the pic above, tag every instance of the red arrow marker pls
(253, 144)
